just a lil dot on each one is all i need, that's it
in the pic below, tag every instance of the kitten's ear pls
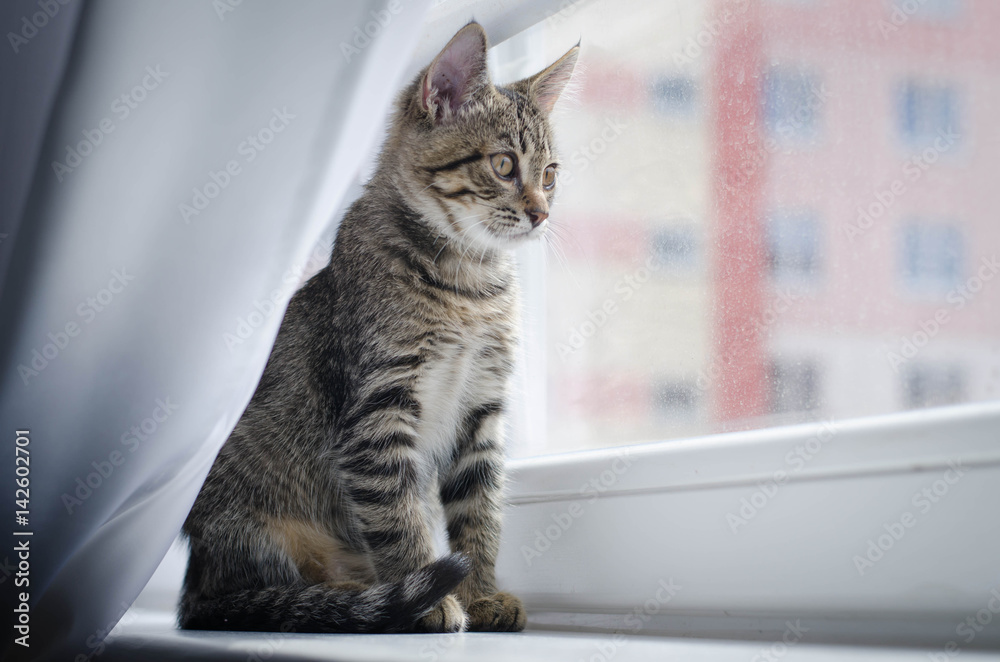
(547, 85)
(457, 73)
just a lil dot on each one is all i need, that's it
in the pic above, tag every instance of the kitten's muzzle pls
(536, 216)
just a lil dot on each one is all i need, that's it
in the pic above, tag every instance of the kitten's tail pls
(392, 607)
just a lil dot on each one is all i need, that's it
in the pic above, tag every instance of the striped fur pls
(380, 411)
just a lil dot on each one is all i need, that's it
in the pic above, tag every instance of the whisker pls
(561, 256)
(444, 246)
(450, 240)
(458, 268)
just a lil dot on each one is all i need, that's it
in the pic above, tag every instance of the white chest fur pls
(447, 385)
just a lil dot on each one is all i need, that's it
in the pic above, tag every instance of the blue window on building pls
(931, 256)
(926, 111)
(675, 96)
(794, 386)
(792, 104)
(933, 384)
(676, 248)
(793, 246)
(677, 400)
(934, 10)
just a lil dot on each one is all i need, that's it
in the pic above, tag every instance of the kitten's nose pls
(536, 216)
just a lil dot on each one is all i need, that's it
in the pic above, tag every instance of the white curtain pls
(201, 149)
(166, 171)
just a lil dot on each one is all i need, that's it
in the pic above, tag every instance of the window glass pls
(792, 103)
(675, 247)
(674, 95)
(931, 257)
(769, 211)
(928, 9)
(794, 385)
(792, 249)
(927, 111)
(929, 384)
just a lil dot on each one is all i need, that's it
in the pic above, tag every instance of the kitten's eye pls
(549, 177)
(503, 165)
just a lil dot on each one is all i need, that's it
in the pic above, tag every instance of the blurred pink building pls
(850, 234)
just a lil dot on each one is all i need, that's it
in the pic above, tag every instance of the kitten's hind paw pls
(446, 617)
(500, 612)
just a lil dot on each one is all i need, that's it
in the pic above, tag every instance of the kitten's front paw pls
(500, 612)
(446, 617)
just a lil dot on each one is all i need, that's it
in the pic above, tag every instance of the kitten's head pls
(477, 160)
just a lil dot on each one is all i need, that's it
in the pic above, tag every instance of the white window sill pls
(657, 515)
(590, 537)
(153, 637)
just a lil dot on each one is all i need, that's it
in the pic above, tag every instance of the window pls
(698, 244)
(674, 96)
(930, 257)
(928, 9)
(676, 399)
(792, 101)
(794, 386)
(793, 253)
(927, 111)
(676, 248)
(929, 384)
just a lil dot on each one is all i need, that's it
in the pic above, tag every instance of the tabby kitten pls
(380, 411)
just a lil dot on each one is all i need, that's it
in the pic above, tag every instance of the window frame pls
(589, 536)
